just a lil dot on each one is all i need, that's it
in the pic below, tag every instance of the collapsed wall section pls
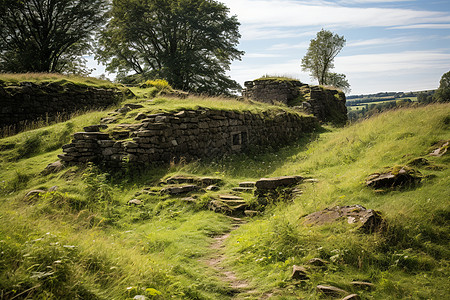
(28, 102)
(188, 134)
(327, 104)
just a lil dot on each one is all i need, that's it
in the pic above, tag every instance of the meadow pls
(82, 241)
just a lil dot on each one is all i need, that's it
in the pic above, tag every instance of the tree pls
(442, 94)
(189, 43)
(338, 81)
(320, 55)
(47, 35)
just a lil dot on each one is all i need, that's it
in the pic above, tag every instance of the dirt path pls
(216, 262)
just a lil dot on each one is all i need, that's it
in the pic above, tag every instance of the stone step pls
(275, 182)
(243, 189)
(230, 197)
(176, 190)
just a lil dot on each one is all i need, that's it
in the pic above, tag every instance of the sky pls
(401, 45)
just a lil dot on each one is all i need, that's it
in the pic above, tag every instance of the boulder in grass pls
(368, 220)
(396, 177)
(331, 291)
(440, 148)
(276, 182)
(299, 273)
(135, 202)
(182, 189)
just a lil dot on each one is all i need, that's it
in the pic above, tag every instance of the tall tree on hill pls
(190, 43)
(442, 94)
(320, 56)
(47, 35)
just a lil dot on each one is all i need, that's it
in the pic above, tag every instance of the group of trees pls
(190, 43)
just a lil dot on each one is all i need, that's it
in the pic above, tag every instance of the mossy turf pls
(44, 78)
(83, 240)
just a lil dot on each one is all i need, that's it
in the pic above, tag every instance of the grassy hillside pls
(83, 240)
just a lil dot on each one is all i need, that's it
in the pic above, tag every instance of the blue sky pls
(398, 45)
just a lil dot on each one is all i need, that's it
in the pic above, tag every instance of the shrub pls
(160, 84)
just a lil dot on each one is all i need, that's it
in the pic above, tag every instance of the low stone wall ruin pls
(328, 105)
(187, 134)
(29, 102)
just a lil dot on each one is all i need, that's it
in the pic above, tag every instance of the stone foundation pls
(187, 135)
(29, 102)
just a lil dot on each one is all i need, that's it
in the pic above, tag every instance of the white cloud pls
(382, 41)
(266, 15)
(399, 62)
(423, 26)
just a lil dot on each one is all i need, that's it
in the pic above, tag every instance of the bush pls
(160, 84)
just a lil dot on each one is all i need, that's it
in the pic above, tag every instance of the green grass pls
(42, 78)
(413, 248)
(84, 241)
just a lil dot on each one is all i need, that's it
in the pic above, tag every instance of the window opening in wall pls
(236, 139)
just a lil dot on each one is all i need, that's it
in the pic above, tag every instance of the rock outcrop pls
(367, 220)
(327, 104)
(396, 177)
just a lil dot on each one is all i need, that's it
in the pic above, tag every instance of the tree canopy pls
(190, 43)
(47, 35)
(320, 56)
(442, 94)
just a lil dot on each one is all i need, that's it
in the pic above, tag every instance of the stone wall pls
(187, 134)
(328, 105)
(29, 102)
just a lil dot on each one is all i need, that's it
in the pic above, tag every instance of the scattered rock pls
(133, 106)
(275, 182)
(34, 193)
(123, 110)
(94, 128)
(53, 168)
(247, 184)
(202, 181)
(310, 180)
(189, 200)
(317, 262)
(176, 190)
(352, 297)
(331, 291)
(396, 177)
(140, 116)
(232, 207)
(251, 213)
(108, 120)
(212, 188)
(135, 202)
(363, 285)
(230, 197)
(243, 189)
(418, 162)
(440, 148)
(53, 189)
(299, 273)
(368, 219)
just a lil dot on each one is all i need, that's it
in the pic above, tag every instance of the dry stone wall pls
(328, 105)
(27, 102)
(188, 134)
